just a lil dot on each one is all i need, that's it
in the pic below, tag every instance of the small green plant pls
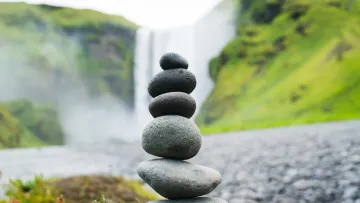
(37, 190)
(100, 200)
(60, 199)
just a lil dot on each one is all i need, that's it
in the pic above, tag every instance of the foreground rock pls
(176, 179)
(193, 200)
(172, 137)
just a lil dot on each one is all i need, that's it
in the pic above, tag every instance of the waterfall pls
(143, 73)
(211, 33)
(198, 43)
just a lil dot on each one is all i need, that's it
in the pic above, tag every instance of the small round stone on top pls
(173, 61)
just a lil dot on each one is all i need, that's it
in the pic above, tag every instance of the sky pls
(147, 13)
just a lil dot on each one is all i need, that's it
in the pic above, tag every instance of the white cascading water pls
(142, 75)
(198, 43)
(211, 33)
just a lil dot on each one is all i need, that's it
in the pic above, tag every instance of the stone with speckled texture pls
(172, 137)
(175, 179)
(173, 103)
(173, 80)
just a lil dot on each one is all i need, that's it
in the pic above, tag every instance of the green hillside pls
(292, 62)
(14, 133)
(48, 53)
(42, 121)
(54, 48)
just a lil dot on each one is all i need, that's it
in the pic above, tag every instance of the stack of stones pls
(175, 138)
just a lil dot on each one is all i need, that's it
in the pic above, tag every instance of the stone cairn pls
(175, 138)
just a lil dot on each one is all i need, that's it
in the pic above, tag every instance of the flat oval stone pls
(192, 200)
(175, 179)
(172, 61)
(173, 80)
(172, 137)
(173, 103)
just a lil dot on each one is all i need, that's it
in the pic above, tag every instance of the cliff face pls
(70, 43)
(25, 125)
(53, 55)
(292, 62)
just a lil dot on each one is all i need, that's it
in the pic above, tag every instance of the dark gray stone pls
(173, 103)
(306, 184)
(172, 137)
(175, 179)
(173, 61)
(193, 200)
(173, 80)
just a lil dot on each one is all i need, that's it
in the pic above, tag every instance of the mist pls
(84, 118)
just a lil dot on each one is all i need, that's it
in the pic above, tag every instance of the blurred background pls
(74, 77)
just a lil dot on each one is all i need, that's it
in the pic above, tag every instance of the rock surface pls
(173, 80)
(194, 200)
(173, 61)
(175, 179)
(172, 137)
(173, 103)
(257, 166)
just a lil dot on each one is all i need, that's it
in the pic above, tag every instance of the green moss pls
(79, 189)
(13, 133)
(66, 17)
(296, 68)
(10, 129)
(42, 121)
(83, 189)
(27, 125)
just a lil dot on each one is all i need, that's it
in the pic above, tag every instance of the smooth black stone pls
(173, 80)
(173, 103)
(173, 61)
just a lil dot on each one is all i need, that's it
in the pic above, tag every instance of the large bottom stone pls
(175, 179)
(193, 200)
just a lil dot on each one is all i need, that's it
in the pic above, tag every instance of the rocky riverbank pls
(305, 164)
